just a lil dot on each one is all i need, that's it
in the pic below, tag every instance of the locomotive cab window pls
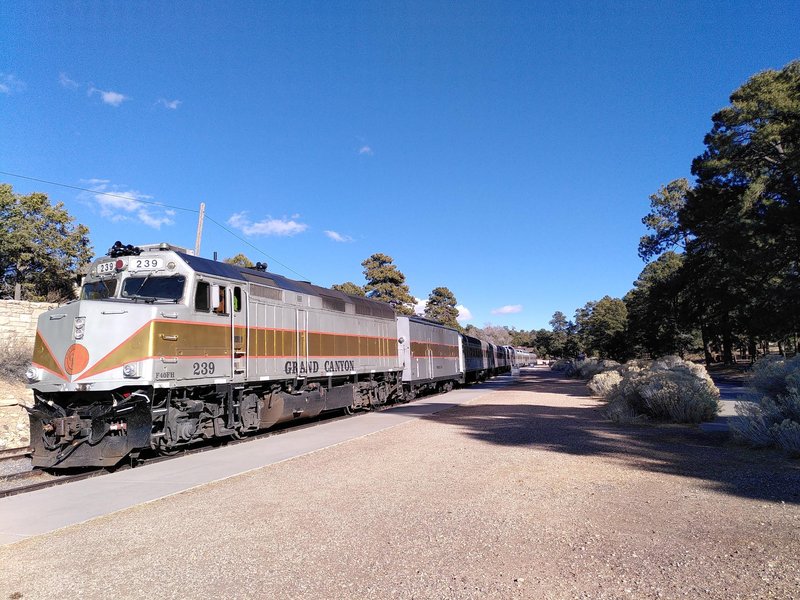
(221, 300)
(154, 288)
(237, 299)
(99, 290)
(201, 297)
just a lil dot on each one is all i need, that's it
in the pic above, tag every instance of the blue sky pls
(505, 150)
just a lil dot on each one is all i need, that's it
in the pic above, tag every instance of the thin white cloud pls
(9, 84)
(109, 97)
(508, 309)
(366, 150)
(170, 104)
(268, 226)
(338, 237)
(66, 82)
(118, 204)
(419, 306)
(464, 313)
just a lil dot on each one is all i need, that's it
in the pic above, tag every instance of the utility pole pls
(199, 229)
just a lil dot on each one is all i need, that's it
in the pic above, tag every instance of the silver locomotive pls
(164, 349)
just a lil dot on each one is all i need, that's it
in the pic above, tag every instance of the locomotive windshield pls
(154, 288)
(99, 290)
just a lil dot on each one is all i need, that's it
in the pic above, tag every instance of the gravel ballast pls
(525, 493)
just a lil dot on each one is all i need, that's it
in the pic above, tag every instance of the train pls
(164, 349)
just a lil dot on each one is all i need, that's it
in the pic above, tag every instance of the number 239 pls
(203, 368)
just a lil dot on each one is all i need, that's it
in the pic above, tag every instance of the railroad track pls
(14, 453)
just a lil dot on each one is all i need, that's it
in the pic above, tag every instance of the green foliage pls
(739, 226)
(602, 326)
(40, 248)
(657, 323)
(240, 260)
(543, 343)
(522, 338)
(663, 220)
(441, 307)
(349, 288)
(745, 212)
(559, 322)
(386, 283)
(562, 340)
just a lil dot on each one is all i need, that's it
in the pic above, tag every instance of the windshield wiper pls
(147, 299)
(136, 293)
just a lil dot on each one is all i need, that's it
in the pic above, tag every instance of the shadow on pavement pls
(582, 429)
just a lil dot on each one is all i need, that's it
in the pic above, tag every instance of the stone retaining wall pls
(18, 320)
(17, 333)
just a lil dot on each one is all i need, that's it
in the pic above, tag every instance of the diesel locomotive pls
(164, 349)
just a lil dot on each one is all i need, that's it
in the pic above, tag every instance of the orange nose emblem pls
(76, 359)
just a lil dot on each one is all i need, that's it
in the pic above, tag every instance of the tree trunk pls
(707, 353)
(727, 340)
(752, 349)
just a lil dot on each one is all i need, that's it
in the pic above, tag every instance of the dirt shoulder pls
(525, 493)
(14, 423)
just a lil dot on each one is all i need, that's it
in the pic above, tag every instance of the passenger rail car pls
(164, 349)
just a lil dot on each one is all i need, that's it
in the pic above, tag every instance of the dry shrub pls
(668, 389)
(15, 357)
(774, 418)
(566, 366)
(677, 395)
(588, 368)
(772, 375)
(584, 369)
(603, 384)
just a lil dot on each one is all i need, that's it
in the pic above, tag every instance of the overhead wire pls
(160, 204)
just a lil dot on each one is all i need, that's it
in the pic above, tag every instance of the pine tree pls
(240, 260)
(350, 288)
(441, 307)
(387, 284)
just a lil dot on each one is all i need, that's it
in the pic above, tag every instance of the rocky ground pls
(14, 426)
(525, 493)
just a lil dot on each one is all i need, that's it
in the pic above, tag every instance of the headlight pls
(78, 328)
(33, 374)
(130, 370)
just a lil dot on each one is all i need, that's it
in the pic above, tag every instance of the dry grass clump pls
(773, 418)
(667, 389)
(15, 357)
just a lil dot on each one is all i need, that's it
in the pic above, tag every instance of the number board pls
(145, 264)
(106, 267)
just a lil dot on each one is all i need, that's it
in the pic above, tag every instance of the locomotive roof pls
(223, 269)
